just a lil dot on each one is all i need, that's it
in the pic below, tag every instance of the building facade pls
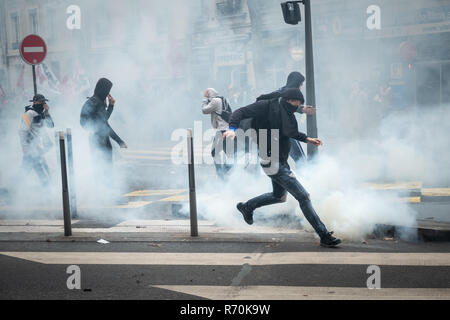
(238, 44)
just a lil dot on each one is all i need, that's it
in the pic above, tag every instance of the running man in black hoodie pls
(294, 80)
(278, 114)
(94, 118)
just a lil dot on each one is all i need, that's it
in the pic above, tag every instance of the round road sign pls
(33, 49)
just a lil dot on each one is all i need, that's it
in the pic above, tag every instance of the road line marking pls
(146, 193)
(180, 198)
(436, 192)
(397, 186)
(410, 199)
(134, 204)
(234, 259)
(308, 293)
(145, 157)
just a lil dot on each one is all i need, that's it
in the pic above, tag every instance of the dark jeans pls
(39, 165)
(222, 167)
(285, 181)
(297, 152)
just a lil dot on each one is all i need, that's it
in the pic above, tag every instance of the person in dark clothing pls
(294, 80)
(278, 114)
(94, 118)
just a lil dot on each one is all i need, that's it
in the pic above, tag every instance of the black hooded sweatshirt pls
(294, 80)
(95, 114)
(272, 114)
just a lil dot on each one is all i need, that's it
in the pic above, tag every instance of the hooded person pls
(276, 118)
(294, 80)
(213, 104)
(94, 118)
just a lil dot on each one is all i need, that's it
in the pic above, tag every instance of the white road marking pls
(308, 293)
(235, 259)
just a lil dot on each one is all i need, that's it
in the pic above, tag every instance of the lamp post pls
(291, 13)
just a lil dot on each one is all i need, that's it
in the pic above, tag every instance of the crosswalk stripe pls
(134, 204)
(308, 293)
(436, 192)
(126, 156)
(181, 198)
(410, 199)
(234, 259)
(145, 193)
(397, 186)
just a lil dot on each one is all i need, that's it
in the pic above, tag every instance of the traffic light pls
(291, 12)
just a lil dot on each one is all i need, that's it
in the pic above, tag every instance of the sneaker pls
(329, 241)
(248, 216)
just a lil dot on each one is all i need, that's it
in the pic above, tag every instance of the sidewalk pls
(144, 231)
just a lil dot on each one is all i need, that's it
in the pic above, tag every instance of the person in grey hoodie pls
(213, 104)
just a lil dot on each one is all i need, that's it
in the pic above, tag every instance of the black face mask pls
(288, 107)
(39, 108)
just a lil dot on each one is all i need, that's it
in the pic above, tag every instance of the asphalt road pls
(121, 271)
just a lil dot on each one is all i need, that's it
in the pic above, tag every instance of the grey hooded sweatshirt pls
(213, 106)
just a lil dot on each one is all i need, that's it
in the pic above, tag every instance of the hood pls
(294, 80)
(103, 88)
(212, 93)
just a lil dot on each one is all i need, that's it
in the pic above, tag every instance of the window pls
(50, 25)
(103, 23)
(33, 21)
(15, 27)
(229, 7)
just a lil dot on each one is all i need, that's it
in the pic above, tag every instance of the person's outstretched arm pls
(254, 110)
(116, 137)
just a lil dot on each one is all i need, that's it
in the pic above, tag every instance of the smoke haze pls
(372, 132)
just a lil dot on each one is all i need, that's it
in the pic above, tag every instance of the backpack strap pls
(223, 105)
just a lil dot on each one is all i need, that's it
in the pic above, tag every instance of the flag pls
(2, 93)
(40, 74)
(80, 80)
(52, 81)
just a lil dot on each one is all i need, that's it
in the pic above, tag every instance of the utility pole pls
(291, 13)
(311, 120)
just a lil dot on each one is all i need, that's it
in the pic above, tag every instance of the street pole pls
(65, 187)
(72, 191)
(311, 120)
(34, 79)
(192, 195)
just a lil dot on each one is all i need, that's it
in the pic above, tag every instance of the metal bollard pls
(65, 187)
(192, 196)
(72, 192)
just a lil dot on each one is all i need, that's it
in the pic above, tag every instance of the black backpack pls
(226, 110)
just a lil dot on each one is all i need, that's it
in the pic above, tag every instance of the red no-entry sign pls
(33, 49)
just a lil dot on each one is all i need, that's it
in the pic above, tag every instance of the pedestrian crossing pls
(235, 259)
(251, 270)
(308, 293)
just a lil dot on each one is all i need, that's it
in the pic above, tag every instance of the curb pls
(425, 231)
